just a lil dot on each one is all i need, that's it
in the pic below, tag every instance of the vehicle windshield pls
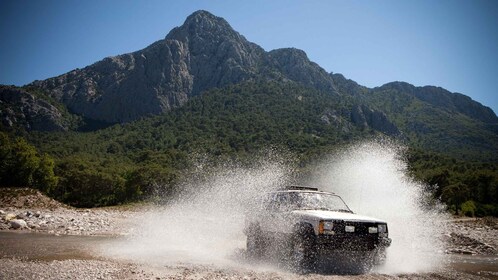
(288, 201)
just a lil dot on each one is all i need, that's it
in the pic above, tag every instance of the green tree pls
(5, 158)
(468, 208)
(151, 180)
(455, 195)
(90, 188)
(25, 163)
(21, 166)
(44, 176)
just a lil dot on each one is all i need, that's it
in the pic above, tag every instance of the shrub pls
(468, 208)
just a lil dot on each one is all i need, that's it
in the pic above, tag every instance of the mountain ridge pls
(203, 53)
(206, 52)
(441, 97)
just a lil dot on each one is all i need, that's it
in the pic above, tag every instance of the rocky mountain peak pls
(206, 20)
(203, 24)
(217, 55)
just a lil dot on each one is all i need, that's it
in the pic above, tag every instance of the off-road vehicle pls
(306, 225)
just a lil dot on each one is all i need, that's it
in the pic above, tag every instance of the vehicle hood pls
(333, 215)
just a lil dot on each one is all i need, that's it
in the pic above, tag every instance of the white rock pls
(10, 216)
(18, 224)
(2, 212)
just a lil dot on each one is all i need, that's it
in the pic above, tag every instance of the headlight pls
(372, 230)
(349, 228)
(382, 228)
(326, 227)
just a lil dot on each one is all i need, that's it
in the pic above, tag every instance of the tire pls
(255, 243)
(303, 250)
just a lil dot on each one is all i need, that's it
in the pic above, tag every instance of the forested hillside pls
(129, 162)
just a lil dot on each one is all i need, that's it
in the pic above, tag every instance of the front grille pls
(360, 227)
(359, 240)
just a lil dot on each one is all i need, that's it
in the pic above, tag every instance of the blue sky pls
(447, 43)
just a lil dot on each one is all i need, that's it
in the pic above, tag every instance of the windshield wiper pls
(342, 210)
(324, 208)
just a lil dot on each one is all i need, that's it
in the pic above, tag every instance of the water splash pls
(372, 178)
(205, 224)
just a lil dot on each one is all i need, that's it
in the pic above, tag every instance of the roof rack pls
(299, 188)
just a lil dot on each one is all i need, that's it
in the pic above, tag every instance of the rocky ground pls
(472, 236)
(30, 211)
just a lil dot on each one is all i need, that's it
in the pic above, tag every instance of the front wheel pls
(303, 250)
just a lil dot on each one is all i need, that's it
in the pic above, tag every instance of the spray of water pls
(205, 225)
(372, 179)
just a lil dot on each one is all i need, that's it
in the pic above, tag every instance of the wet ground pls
(47, 247)
(59, 242)
(477, 265)
(27, 255)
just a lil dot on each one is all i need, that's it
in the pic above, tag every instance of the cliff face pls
(205, 52)
(295, 65)
(126, 87)
(20, 108)
(364, 117)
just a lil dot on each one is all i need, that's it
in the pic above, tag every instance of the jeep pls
(306, 225)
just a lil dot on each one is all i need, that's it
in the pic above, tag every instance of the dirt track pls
(59, 242)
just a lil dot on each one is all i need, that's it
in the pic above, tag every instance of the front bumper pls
(352, 242)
